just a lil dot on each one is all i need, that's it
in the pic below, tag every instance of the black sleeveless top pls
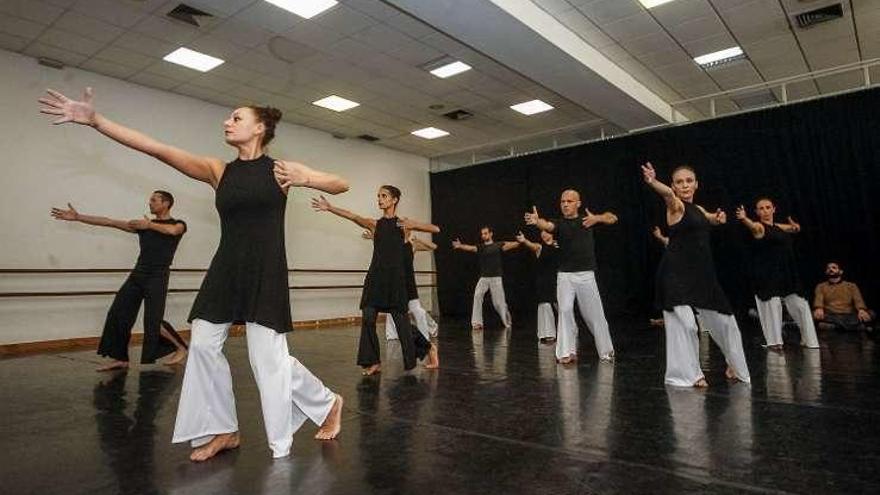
(412, 292)
(548, 264)
(686, 276)
(247, 279)
(157, 249)
(385, 287)
(775, 271)
(490, 259)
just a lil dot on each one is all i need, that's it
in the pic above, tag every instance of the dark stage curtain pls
(819, 161)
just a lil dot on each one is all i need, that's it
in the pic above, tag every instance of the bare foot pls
(701, 383)
(372, 370)
(477, 328)
(333, 424)
(226, 441)
(730, 373)
(433, 358)
(572, 359)
(115, 365)
(178, 357)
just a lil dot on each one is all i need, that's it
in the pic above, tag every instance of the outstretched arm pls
(533, 246)
(591, 219)
(791, 227)
(674, 206)
(420, 244)
(293, 174)
(756, 228)
(411, 224)
(202, 168)
(321, 204)
(508, 245)
(718, 217)
(532, 218)
(145, 223)
(71, 215)
(457, 244)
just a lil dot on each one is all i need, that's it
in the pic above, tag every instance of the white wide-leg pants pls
(425, 324)
(289, 392)
(495, 286)
(580, 286)
(770, 314)
(683, 344)
(546, 321)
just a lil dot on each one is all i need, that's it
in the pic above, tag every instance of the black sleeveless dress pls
(385, 286)
(548, 264)
(247, 279)
(686, 275)
(775, 271)
(412, 291)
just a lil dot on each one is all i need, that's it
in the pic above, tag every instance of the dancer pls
(424, 323)
(147, 282)
(385, 288)
(246, 282)
(686, 281)
(576, 278)
(490, 276)
(775, 275)
(547, 252)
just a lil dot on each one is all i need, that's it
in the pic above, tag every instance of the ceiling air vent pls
(367, 137)
(817, 16)
(187, 14)
(458, 115)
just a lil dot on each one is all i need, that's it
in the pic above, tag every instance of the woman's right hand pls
(70, 214)
(79, 112)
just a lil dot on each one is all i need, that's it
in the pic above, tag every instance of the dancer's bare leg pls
(372, 370)
(433, 357)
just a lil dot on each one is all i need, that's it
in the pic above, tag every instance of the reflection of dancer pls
(246, 282)
(147, 282)
(775, 275)
(490, 275)
(125, 439)
(547, 253)
(424, 323)
(686, 279)
(576, 278)
(385, 286)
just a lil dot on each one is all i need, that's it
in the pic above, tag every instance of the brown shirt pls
(842, 297)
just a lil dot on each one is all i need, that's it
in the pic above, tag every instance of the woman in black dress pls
(686, 282)
(775, 275)
(385, 288)
(246, 282)
(547, 252)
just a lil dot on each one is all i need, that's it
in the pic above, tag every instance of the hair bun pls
(274, 114)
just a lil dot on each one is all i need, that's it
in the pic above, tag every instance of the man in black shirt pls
(147, 282)
(576, 278)
(490, 275)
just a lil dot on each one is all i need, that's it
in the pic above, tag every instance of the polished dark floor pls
(499, 417)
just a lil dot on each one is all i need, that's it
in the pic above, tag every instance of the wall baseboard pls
(86, 343)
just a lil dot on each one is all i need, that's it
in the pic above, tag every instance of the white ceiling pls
(370, 52)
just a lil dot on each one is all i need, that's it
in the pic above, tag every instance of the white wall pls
(45, 166)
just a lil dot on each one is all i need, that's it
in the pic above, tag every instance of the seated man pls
(839, 304)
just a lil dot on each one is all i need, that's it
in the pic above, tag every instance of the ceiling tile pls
(117, 13)
(109, 68)
(69, 41)
(12, 43)
(32, 10)
(127, 58)
(88, 27)
(22, 28)
(38, 49)
(154, 80)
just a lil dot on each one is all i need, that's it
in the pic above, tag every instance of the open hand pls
(531, 217)
(320, 204)
(79, 112)
(648, 173)
(70, 214)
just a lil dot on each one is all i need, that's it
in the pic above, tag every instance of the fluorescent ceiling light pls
(450, 70)
(336, 103)
(193, 59)
(430, 133)
(719, 57)
(653, 3)
(304, 8)
(531, 107)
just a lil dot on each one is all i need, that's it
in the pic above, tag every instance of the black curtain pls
(819, 161)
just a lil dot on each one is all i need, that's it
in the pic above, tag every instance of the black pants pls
(412, 344)
(151, 288)
(846, 321)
